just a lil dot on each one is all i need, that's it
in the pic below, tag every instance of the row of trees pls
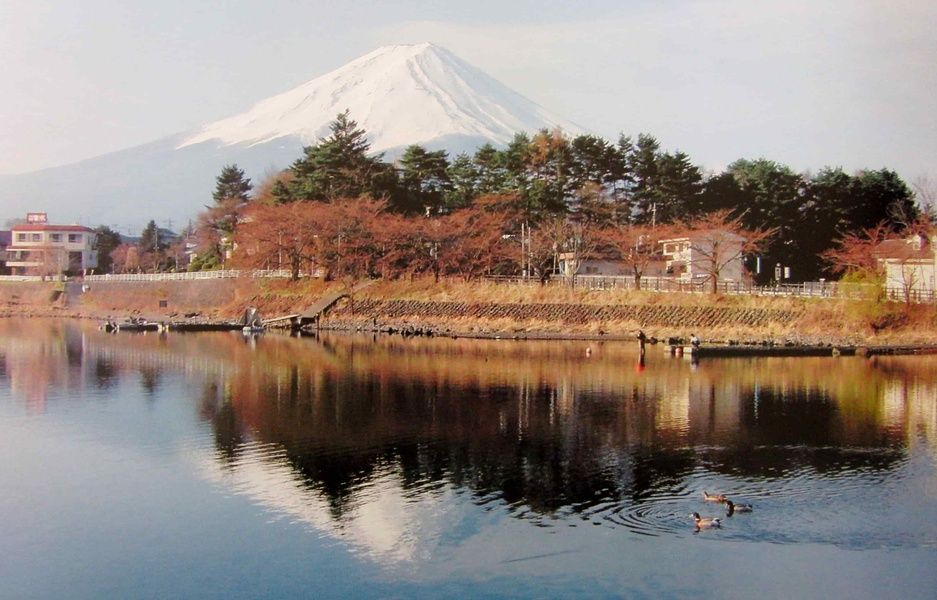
(363, 237)
(342, 210)
(631, 182)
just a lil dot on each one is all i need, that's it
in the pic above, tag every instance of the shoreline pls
(483, 310)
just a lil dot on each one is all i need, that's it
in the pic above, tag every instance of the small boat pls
(131, 324)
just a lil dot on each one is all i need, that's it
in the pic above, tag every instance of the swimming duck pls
(720, 498)
(705, 523)
(732, 508)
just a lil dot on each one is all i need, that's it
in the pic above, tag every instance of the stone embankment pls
(570, 314)
(556, 320)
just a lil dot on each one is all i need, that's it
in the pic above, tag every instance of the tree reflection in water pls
(536, 426)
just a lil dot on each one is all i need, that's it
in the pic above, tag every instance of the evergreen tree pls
(881, 196)
(424, 178)
(151, 248)
(516, 160)
(338, 167)
(551, 187)
(105, 241)
(491, 171)
(281, 193)
(149, 238)
(776, 198)
(463, 177)
(642, 163)
(679, 188)
(231, 184)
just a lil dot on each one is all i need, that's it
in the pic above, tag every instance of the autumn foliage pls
(360, 238)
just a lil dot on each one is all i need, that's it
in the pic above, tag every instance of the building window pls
(55, 237)
(20, 237)
(74, 238)
(36, 237)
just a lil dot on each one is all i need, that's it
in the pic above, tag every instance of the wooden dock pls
(312, 314)
(720, 351)
(754, 351)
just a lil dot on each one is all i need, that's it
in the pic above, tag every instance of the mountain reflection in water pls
(386, 443)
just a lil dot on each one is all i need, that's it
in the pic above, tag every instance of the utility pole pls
(523, 252)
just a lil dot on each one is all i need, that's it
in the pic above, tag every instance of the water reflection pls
(388, 444)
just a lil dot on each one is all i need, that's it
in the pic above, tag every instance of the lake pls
(222, 466)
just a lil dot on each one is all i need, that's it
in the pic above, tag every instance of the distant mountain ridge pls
(400, 95)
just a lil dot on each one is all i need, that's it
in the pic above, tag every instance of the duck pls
(720, 498)
(707, 522)
(732, 508)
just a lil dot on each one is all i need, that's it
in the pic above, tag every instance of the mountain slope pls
(401, 95)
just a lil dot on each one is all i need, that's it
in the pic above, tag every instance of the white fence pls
(193, 276)
(24, 278)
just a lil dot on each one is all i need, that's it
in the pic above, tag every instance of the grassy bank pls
(489, 308)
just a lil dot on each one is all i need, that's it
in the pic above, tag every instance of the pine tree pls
(679, 186)
(339, 166)
(775, 198)
(232, 185)
(149, 238)
(643, 164)
(151, 247)
(105, 241)
(424, 178)
(463, 177)
(491, 172)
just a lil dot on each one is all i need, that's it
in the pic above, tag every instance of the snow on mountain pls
(400, 95)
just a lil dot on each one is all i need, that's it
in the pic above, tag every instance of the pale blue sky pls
(806, 82)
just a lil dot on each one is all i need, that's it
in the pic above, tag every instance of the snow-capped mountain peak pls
(399, 95)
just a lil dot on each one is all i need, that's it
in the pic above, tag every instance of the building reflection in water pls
(370, 440)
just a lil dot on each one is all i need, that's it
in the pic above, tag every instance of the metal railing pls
(916, 296)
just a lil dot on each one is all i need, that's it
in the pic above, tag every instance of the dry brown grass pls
(507, 293)
(820, 320)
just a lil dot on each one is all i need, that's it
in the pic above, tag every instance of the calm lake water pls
(214, 465)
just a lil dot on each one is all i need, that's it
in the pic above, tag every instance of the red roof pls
(904, 249)
(47, 227)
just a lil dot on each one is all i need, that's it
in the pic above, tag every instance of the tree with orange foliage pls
(716, 240)
(880, 253)
(545, 242)
(346, 242)
(274, 236)
(125, 258)
(474, 240)
(637, 246)
(856, 252)
(411, 245)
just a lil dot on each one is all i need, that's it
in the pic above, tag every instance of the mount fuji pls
(400, 95)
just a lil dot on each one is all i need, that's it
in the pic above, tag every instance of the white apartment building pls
(692, 257)
(39, 248)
